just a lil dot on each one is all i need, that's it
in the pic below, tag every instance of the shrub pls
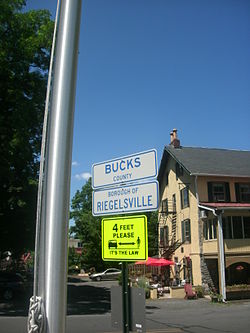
(143, 282)
(199, 291)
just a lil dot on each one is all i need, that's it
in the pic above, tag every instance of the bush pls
(199, 291)
(143, 282)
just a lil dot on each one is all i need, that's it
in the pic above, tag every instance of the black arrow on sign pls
(126, 243)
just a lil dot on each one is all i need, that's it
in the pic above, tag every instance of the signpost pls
(124, 238)
(126, 199)
(125, 185)
(131, 168)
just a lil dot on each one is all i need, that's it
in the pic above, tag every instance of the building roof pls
(209, 161)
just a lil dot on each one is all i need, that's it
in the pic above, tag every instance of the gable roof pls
(209, 161)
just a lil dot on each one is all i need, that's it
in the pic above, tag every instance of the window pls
(164, 236)
(164, 206)
(174, 202)
(184, 197)
(246, 226)
(242, 191)
(218, 192)
(227, 227)
(186, 232)
(210, 229)
(236, 227)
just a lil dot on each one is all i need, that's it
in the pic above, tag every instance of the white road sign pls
(125, 169)
(126, 199)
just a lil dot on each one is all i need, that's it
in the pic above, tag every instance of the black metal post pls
(125, 297)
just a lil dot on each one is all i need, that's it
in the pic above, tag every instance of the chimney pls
(171, 137)
(174, 141)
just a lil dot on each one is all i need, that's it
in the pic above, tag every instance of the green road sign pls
(124, 238)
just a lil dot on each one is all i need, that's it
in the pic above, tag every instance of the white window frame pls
(242, 185)
(215, 196)
(210, 225)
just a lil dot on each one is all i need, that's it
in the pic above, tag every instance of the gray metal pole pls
(221, 259)
(59, 165)
(125, 297)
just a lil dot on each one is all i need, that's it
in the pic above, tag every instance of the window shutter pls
(210, 191)
(166, 235)
(188, 230)
(162, 207)
(165, 206)
(237, 191)
(183, 231)
(181, 199)
(227, 194)
(161, 236)
(188, 196)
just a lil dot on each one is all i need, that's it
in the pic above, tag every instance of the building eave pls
(217, 175)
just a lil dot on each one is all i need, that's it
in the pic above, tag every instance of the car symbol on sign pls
(112, 244)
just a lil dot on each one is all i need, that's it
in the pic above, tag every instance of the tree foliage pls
(88, 229)
(24, 59)
(152, 218)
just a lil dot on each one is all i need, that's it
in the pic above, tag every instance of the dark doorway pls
(238, 273)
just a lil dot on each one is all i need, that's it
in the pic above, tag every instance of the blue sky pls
(148, 66)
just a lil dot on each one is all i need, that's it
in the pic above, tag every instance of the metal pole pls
(40, 221)
(125, 297)
(221, 265)
(59, 166)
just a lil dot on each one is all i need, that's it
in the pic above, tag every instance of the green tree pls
(152, 218)
(24, 59)
(87, 228)
(74, 260)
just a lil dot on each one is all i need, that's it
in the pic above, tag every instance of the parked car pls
(109, 274)
(11, 285)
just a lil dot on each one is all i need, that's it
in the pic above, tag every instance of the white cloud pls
(84, 175)
(75, 163)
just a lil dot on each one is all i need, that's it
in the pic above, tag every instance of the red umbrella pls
(155, 262)
(148, 262)
(164, 262)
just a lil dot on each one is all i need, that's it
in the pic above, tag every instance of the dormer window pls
(218, 192)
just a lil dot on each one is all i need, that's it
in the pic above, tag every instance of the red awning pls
(226, 205)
